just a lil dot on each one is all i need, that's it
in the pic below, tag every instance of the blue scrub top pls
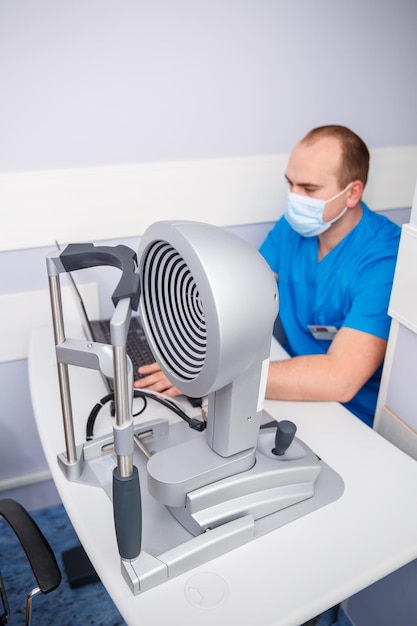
(350, 287)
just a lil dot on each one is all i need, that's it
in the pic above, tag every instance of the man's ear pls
(355, 192)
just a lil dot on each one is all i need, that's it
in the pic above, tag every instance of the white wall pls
(94, 82)
(114, 113)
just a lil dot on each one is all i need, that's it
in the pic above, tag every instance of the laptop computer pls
(137, 346)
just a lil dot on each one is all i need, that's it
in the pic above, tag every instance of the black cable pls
(193, 423)
(165, 402)
(93, 415)
(145, 404)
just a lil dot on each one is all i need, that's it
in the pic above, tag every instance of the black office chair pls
(39, 554)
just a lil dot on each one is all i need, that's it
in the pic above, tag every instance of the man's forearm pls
(309, 378)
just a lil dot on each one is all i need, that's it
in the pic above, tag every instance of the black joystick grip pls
(127, 509)
(284, 436)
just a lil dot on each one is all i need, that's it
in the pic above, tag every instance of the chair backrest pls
(38, 551)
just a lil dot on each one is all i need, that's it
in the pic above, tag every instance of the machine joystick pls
(284, 436)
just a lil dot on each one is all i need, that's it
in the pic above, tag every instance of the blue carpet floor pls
(89, 604)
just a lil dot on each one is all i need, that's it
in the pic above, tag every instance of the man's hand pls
(155, 380)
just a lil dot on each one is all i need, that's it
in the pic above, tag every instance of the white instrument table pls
(282, 578)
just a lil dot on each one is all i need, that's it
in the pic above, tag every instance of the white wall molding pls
(25, 480)
(123, 200)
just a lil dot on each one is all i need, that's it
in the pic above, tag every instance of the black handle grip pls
(78, 256)
(127, 511)
(284, 436)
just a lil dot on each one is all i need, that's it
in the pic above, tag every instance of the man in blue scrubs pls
(334, 260)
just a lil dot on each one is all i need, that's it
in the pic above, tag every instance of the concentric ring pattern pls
(173, 309)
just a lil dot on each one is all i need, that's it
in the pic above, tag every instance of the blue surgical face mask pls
(305, 215)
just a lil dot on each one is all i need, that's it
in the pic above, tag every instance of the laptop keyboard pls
(137, 345)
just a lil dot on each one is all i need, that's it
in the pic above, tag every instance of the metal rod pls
(29, 598)
(122, 400)
(138, 441)
(63, 378)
